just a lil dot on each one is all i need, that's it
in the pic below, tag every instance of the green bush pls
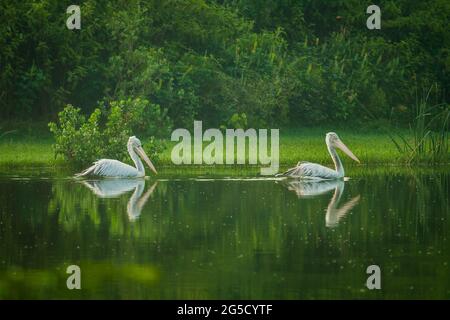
(104, 134)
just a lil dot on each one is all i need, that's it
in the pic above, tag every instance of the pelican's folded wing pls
(113, 168)
(310, 170)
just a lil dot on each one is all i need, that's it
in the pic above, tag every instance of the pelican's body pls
(115, 168)
(308, 170)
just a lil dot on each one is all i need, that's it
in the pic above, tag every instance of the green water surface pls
(225, 238)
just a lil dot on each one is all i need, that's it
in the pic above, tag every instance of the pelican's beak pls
(144, 156)
(347, 151)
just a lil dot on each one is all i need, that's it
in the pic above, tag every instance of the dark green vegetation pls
(192, 239)
(144, 67)
(279, 63)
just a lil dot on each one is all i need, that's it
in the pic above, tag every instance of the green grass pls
(33, 148)
(25, 144)
(27, 152)
(309, 145)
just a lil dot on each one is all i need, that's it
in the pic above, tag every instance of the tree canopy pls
(275, 62)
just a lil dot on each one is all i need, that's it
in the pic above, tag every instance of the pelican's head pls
(333, 140)
(136, 145)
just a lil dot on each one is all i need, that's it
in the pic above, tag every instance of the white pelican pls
(308, 170)
(115, 168)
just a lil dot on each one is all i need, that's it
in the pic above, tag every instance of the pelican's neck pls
(137, 161)
(337, 161)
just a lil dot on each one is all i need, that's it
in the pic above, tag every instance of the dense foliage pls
(106, 131)
(269, 62)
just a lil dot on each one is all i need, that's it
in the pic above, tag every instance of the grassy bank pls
(33, 147)
(309, 144)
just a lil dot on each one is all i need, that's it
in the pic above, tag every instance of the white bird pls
(308, 170)
(115, 168)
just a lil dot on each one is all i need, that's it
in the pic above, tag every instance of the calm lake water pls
(224, 238)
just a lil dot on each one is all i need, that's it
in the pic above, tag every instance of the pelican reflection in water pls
(113, 188)
(311, 189)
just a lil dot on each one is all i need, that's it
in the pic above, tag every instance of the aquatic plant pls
(429, 130)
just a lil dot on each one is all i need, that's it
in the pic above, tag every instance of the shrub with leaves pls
(104, 134)
(237, 121)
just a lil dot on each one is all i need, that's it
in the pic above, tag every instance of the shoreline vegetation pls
(32, 146)
(306, 67)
